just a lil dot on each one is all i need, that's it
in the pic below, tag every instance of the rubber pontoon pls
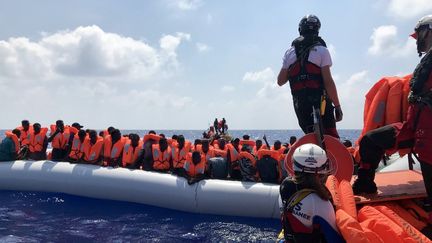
(220, 197)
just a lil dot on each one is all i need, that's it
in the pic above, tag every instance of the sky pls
(179, 64)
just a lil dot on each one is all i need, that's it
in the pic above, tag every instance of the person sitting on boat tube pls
(415, 132)
(76, 153)
(132, 152)
(59, 140)
(25, 130)
(93, 148)
(113, 148)
(306, 65)
(180, 151)
(308, 214)
(38, 143)
(162, 160)
(195, 167)
(233, 151)
(10, 146)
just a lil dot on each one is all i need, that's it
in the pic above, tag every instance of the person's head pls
(246, 137)
(101, 133)
(221, 143)
(423, 34)
(152, 132)
(77, 125)
(309, 25)
(82, 134)
(277, 145)
(93, 136)
(196, 157)
(36, 128)
(292, 140)
(162, 135)
(205, 145)
(236, 142)
(115, 135)
(174, 137)
(197, 141)
(60, 125)
(212, 128)
(110, 130)
(17, 132)
(134, 139)
(163, 144)
(347, 143)
(258, 143)
(181, 141)
(311, 168)
(25, 124)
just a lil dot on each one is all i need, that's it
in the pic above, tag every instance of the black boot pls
(365, 182)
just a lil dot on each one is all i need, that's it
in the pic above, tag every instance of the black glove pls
(338, 113)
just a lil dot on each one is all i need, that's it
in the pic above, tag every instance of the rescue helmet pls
(310, 158)
(309, 25)
(424, 23)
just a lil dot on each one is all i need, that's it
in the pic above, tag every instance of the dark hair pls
(152, 132)
(246, 137)
(313, 181)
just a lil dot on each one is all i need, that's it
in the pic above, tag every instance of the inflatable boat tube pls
(220, 197)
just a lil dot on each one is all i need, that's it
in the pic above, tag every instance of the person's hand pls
(338, 113)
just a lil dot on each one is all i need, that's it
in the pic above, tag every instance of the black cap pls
(77, 125)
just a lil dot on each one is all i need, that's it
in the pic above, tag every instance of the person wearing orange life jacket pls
(247, 163)
(306, 65)
(38, 143)
(258, 146)
(10, 146)
(77, 150)
(179, 156)
(414, 133)
(205, 149)
(308, 214)
(59, 139)
(149, 140)
(233, 159)
(93, 149)
(292, 140)
(161, 156)
(113, 149)
(268, 166)
(132, 152)
(217, 166)
(25, 130)
(195, 166)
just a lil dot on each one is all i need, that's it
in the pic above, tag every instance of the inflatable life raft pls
(220, 197)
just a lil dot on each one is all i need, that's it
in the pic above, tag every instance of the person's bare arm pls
(329, 85)
(282, 77)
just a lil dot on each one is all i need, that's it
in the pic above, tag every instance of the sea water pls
(54, 217)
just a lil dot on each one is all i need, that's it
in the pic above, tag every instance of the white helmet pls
(310, 158)
(424, 23)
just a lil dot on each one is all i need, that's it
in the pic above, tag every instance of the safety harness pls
(302, 73)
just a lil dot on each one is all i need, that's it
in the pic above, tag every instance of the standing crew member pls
(306, 65)
(416, 132)
(308, 214)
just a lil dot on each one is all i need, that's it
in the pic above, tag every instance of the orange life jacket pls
(154, 137)
(272, 153)
(61, 140)
(280, 151)
(113, 151)
(77, 148)
(208, 155)
(250, 143)
(192, 169)
(179, 156)
(220, 152)
(36, 141)
(25, 135)
(14, 138)
(130, 154)
(161, 160)
(246, 155)
(234, 155)
(255, 151)
(92, 152)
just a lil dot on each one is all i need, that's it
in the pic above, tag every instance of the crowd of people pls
(214, 157)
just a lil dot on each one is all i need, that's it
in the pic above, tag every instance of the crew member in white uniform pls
(308, 214)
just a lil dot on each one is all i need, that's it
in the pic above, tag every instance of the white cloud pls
(385, 42)
(201, 47)
(409, 8)
(87, 52)
(228, 89)
(186, 4)
(94, 76)
(265, 75)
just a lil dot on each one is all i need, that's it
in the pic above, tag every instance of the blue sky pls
(178, 64)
